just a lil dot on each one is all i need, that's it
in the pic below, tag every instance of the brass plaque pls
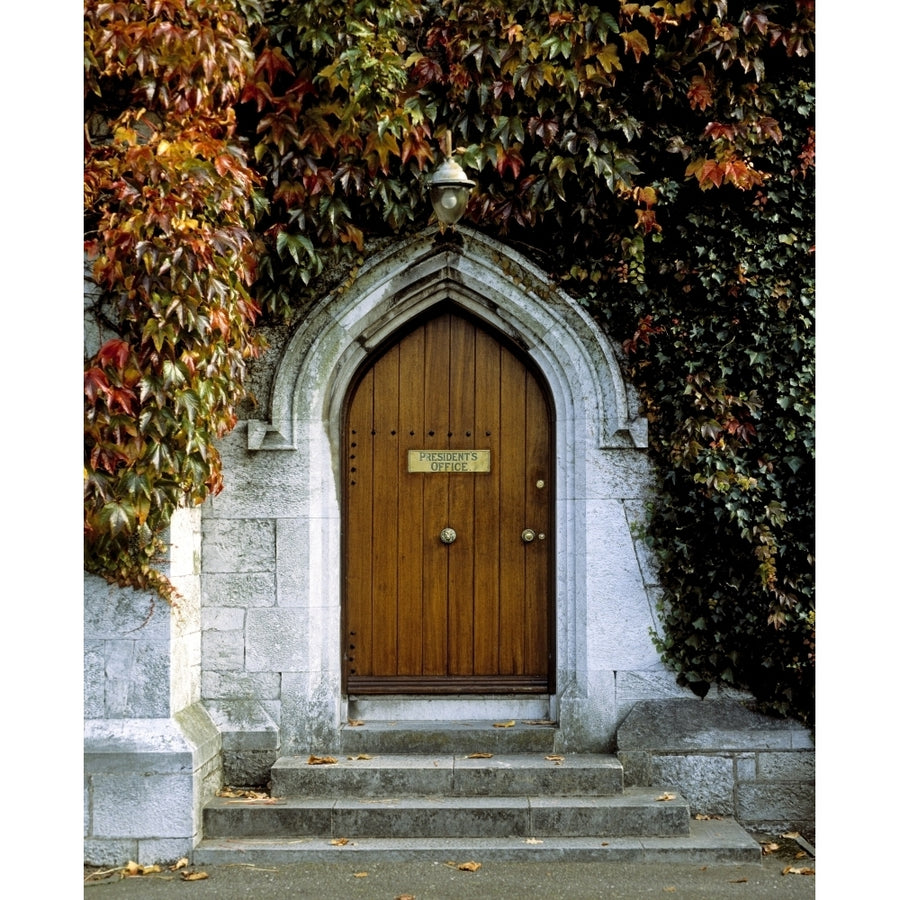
(448, 461)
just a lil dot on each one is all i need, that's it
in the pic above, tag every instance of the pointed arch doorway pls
(447, 448)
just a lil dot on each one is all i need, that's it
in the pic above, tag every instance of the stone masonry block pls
(236, 685)
(292, 569)
(716, 725)
(781, 802)
(276, 640)
(223, 619)
(745, 767)
(223, 650)
(163, 851)
(624, 474)
(706, 782)
(109, 852)
(137, 679)
(142, 806)
(796, 766)
(238, 545)
(111, 611)
(94, 667)
(239, 589)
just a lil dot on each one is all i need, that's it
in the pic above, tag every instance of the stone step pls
(636, 812)
(503, 775)
(475, 736)
(717, 842)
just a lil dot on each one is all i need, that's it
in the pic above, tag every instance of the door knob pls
(528, 535)
(448, 536)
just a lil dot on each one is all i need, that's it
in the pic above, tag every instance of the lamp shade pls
(450, 189)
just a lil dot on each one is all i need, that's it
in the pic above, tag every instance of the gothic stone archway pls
(279, 623)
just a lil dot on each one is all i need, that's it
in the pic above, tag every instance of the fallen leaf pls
(670, 889)
(793, 835)
(149, 870)
(555, 758)
(131, 868)
(469, 866)
(480, 756)
(533, 841)
(181, 864)
(770, 848)
(508, 724)
(801, 854)
(321, 761)
(405, 897)
(340, 842)
(361, 756)
(604, 843)
(738, 881)
(249, 795)
(194, 876)
(360, 874)
(702, 817)
(792, 870)
(355, 723)
(666, 796)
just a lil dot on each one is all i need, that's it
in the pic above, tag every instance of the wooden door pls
(447, 429)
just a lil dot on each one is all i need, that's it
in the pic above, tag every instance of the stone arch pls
(598, 587)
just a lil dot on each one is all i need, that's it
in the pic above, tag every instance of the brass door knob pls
(448, 536)
(528, 535)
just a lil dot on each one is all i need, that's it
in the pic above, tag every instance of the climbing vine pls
(240, 153)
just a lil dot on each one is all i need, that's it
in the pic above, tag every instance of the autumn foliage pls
(241, 155)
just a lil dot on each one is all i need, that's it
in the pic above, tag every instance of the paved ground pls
(437, 880)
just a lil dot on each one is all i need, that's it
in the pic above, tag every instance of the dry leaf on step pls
(340, 842)
(194, 876)
(508, 724)
(793, 870)
(666, 796)
(321, 761)
(181, 864)
(469, 866)
(480, 756)
(355, 723)
(533, 841)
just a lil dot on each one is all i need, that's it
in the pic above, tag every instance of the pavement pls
(445, 880)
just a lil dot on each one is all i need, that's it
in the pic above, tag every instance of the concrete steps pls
(721, 842)
(502, 793)
(452, 737)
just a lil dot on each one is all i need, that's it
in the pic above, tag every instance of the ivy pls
(242, 155)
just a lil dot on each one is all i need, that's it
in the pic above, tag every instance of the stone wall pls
(725, 759)
(152, 756)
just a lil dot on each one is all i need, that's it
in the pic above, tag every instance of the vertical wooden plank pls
(512, 515)
(385, 518)
(537, 514)
(411, 428)
(358, 535)
(461, 498)
(487, 507)
(434, 498)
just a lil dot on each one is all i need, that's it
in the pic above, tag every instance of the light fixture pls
(449, 188)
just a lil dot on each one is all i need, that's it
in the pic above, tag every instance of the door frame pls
(604, 610)
(455, 685)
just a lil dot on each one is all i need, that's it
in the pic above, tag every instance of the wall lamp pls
(449, 188)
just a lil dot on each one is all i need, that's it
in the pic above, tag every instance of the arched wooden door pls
(448, 489)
